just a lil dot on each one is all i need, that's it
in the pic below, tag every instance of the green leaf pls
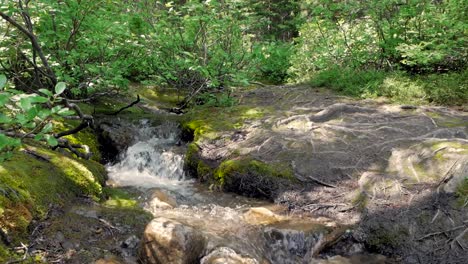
(38, 137)
(52, 141)
(4, 98)
(25, 103)
(46, 92)
(32, 113)
(3, 80)
(4, 119)
(60, 88)
(44, 113)
(47, 128)
(56, 108)
(65, 112)
(39, 99)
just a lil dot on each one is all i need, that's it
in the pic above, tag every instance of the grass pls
(399, 87)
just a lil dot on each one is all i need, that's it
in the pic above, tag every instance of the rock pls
(261, 216)
(289, 241)
(59, 237)
(131, 242)
(164, 197)
(170, 242)
(458, 174)
(115, 136)
(224, 255)
(108, 260)
(357, 259)
(155, 204)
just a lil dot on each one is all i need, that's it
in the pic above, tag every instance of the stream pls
(234, 229)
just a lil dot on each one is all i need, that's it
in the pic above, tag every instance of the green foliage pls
(215, 100)
(28, 114)
(349, 81)
(366, 38)
(449, 89)
(272, 60)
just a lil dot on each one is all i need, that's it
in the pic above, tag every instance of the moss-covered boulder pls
(33, 179)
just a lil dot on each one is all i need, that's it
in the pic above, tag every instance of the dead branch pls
(440, 232)
(128, 106)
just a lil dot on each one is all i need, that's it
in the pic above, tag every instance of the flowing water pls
(154, 165)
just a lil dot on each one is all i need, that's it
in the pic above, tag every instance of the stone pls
(170, 242)
(155, 204)
(261, 216)
(164, 197)
(131, 242)
(224, 255)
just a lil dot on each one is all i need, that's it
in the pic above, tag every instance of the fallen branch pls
(306, 178)
(440, 232)
(128, 106)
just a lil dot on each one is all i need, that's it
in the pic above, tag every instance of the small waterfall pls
(154, 160)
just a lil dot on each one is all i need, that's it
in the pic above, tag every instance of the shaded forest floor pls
(396, 173)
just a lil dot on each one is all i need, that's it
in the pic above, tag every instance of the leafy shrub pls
(349, 81)
(215, 100)
(449, 88)
(272, 60)
(23, 115)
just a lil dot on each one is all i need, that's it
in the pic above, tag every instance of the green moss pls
(119, 198)
(249, 166)
(196, 166)
(462, 192)
(169, 97)
(360, 200)
(28, 186)
(210, 122)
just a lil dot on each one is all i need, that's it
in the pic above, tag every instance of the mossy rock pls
(196, 166)
(36, 177)
(254, 178)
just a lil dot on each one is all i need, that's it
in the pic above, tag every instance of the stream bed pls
(194, 224)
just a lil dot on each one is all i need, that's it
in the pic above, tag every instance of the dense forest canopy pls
(54, 53)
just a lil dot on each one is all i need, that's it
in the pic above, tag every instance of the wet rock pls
(358, 259)
(108, 260)
(287, 242)
(114, 136)
(131, 242)
(155, 204)
(164, 197)
(261, 216)
(86, 212)
(224, 255)
(170, 242)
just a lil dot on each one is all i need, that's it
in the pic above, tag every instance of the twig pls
(456, 239)
(128, 106)
(441, 232)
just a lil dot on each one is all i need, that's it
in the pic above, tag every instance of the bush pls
(450, 89)
(272, 60)
(446, 89)
(349, 81)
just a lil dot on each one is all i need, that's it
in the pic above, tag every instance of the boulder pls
(170, 242)
(224, 255)
(261, 216)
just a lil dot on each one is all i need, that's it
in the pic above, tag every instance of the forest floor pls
(396, 173)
